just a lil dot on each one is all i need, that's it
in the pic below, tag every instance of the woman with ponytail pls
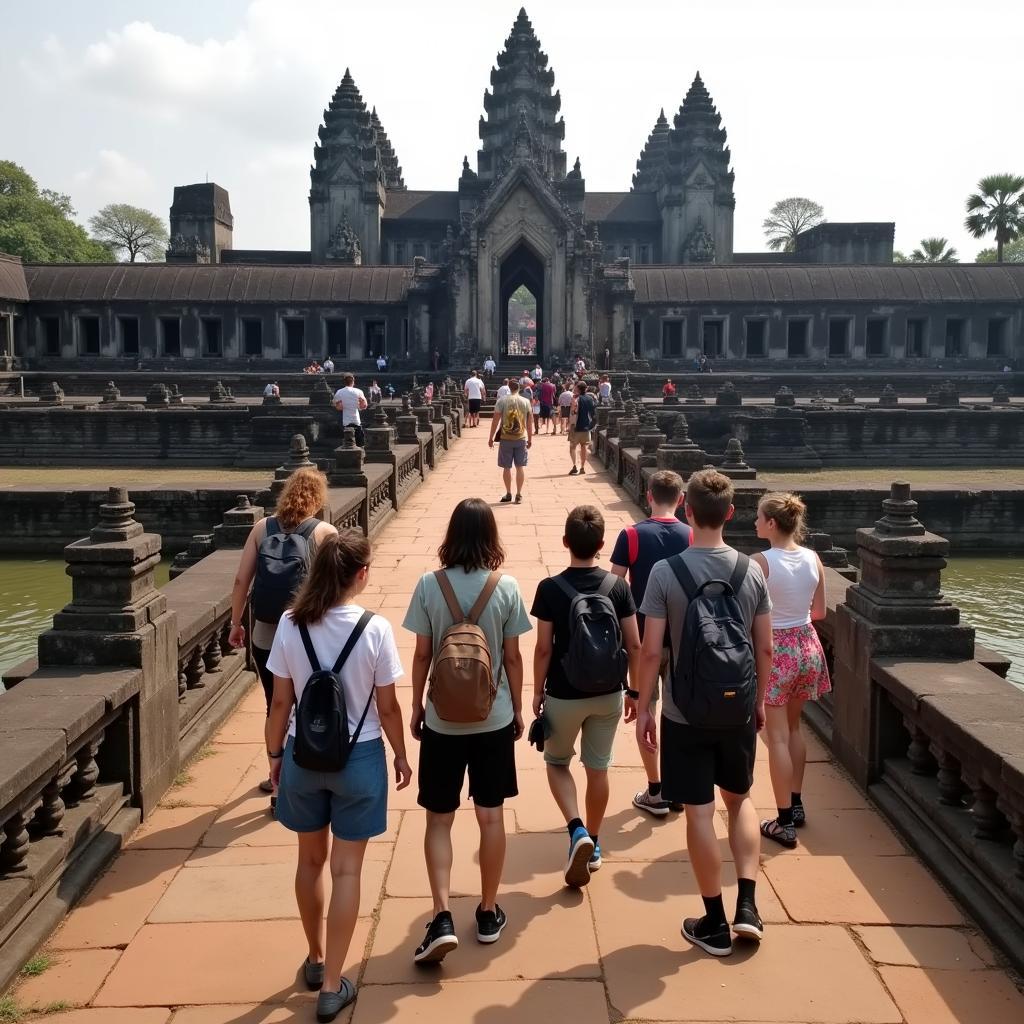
(350, 804)
(796, 585)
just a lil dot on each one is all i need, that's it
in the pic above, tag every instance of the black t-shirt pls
(585, 406)
(552, 605)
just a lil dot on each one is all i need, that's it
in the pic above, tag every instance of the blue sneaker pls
(581, 849)
(595, 857)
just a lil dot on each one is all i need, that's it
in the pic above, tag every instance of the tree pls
(1013, 252)
(787, 218)
(130, 230)
(36, 224)
(934, 250)
(997, 206)
(898, 257)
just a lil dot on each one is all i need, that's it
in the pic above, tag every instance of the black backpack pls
(714, 681)
(322, 740)
(594, 661)
(282, 563)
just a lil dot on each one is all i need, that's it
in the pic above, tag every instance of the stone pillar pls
(896, 609)
(615, 415)
(406, 423)
(733, 464)
(831, 556)
(238, 521)
(158, 397)
(694, 395)
(629, 427)
(348, 462)
(380, 438)
(785, 397)
(51, 394)
(321, 395)
(1000, 396)
(118, 618)
(198, 548)
(298, 458)
(651, 439)
(729, 396)
(888, 399)
(681, 454)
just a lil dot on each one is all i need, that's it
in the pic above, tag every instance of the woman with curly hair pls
(304, 494)
(796, 585)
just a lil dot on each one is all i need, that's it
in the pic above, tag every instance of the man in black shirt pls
(584, 407)
(567, 711)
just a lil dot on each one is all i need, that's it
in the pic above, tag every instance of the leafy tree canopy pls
(130, 231)
(787, 218)
(1013, 252)
(36, 224)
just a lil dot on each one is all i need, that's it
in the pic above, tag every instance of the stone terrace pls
(195, 922)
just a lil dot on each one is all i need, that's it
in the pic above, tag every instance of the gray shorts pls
(512, 453)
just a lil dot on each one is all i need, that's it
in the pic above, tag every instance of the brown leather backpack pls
(462, 685)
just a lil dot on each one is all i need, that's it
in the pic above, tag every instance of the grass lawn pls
(1000, 476)
(126, 476)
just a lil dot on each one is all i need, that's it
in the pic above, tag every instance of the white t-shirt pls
(349, 398)
(475, 388)
(268, 391)
(373, 662)
(604, 389)
(565, 398)
(504, 391)
(537, 374)
(328, 367)
(489, 365)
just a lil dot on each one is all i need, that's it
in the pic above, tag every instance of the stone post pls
(175, 397)
(785, 397)
(888, 399)
(111, 394)
(380, 437)
(846, 397)
(729, 396)
(118, 618)
(1000, 396)
(233, 531)
(348, 462)
(733, 464)
(423, 414)
(220, 395)
(406, 423)
(615, 415)
(298, 458)
(321, 394)
(158, 397)
(694, 396)
(629, 427)
(51, 394)
(198, 548)
(831, 556)
(949, 396)
(681, 454)
(651, 439)
(896, 609)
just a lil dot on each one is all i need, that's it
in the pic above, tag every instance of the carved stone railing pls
(407, 471)
(632, 478)
(381, 497)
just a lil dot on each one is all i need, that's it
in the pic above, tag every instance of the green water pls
(31, 590)
(989, 592)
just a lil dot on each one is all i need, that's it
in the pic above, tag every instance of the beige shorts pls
(579, 437)
(596, 719)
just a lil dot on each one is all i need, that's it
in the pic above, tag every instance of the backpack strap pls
(364, 621)
(607, 584)
(563, 584)
(314, 662)
(683, 574)
(273, 526)
(485, 595)
(739, 572)
(457, 614)
(306, 527)
(633, 542)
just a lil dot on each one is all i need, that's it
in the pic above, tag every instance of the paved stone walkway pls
(195, 923)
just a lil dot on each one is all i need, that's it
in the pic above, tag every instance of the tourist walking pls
(328, 365)
(546, 394)
(375, 393)
(584, 407)
(490, 366)
(537, 373)
(637, 550)
(275, 560)
(474, 390)
(604, 390)
(334, 783)
(668, 389)
(564, 408)
(796, 585)
(467, 618)
(512, 425)
(504, 390)
(350, 401)
(714, 705)
(586, 639)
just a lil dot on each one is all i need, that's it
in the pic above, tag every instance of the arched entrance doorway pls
(522, 269)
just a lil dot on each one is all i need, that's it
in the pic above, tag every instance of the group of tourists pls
(723, 640)
(327, 366)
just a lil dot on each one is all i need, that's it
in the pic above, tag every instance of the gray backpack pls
(282, 563)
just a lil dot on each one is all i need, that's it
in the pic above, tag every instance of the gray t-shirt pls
(664, 599)
(505, 616)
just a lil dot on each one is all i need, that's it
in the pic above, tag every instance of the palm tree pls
(934, 250)
(997, 206)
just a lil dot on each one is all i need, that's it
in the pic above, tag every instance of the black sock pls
(785, 815)
(797, 802)
(592, 836)
(745, 894)
(654, 788)
(714, 910)
(574, 824)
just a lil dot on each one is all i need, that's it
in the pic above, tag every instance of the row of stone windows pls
(294, 339)
(713, 339)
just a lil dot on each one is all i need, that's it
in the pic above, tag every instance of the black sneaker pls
(489, 924)
(713, 939)
(439, 941)
(747, 922)
(573, 471)
(506, 499)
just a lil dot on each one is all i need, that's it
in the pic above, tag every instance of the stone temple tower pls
(354, 166)
(687, 167)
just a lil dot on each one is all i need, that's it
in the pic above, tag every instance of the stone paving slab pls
(196, 923)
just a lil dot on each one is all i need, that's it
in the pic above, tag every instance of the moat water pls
(989, 591)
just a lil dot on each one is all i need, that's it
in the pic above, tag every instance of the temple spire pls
(393, 180)
(654, 159)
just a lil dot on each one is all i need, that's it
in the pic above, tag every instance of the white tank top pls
(792, 579)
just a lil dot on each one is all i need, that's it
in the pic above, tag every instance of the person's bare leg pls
(651, 764)
(520, 478)
(596, 799)
(583, 457)
(309, 889)
(572, 454)
(797, 746)
(346, 868)
(702, 845)
(506, 475)
(563, 789)
(744, 833)
(492, 853)
(780, 764)
(437, 851)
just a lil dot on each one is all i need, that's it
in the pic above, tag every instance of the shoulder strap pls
(449, 595)
(683, 574)
(563, 584)
(272, 526)
(739, 572)
(306, 527)
(364, 621)
(633, 540)
(607, 584)
(485, 595)
(314, 662)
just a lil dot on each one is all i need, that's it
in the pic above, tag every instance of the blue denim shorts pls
(354, 801)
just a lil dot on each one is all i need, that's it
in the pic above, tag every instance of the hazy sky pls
(877, 109)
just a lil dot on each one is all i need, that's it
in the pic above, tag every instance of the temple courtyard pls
(195, 922)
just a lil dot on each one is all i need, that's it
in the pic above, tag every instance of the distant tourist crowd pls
(722, 641)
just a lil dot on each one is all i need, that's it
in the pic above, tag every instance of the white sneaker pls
(651, 804)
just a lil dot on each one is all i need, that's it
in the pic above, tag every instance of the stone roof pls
(12, 279)
(880, 283)
(162, 282)
(412, 205)
(621, 207)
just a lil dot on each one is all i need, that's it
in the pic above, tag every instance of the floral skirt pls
(799, 670)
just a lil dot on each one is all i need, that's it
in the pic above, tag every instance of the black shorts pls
(545, 411)
(694, 761)
(563, 411)
(444, 759)
(474, 406)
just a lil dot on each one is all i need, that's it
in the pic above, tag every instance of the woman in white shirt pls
(352, 803)
(796, 585)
